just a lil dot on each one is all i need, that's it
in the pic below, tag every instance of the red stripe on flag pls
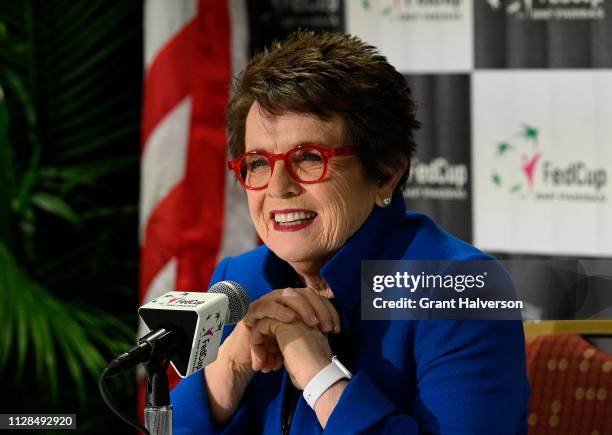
(168, 79)
(204, 183)
(161, 239)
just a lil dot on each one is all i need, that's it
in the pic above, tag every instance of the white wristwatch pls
(328, 376)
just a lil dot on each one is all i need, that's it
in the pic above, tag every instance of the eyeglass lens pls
(307, 164)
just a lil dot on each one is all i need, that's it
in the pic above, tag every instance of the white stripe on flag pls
(238, 231)
(162, 19)
(164, 160)
(239, 34)
(164, 282)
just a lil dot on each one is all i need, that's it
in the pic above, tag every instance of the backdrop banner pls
(439, 183)
(541, 159)
(416, 36)
(543, 33)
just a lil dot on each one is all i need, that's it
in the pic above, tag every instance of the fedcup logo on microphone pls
(174, 300)
(216, 318)
(212, 325)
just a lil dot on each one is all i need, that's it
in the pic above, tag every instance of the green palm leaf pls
(55, 205)
(70, 84)
(37, 323)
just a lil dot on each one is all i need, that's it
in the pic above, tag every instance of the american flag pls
(192, 213)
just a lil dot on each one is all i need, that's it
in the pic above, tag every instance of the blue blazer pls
(428, 376)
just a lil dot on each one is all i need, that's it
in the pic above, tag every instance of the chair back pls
(571, 379)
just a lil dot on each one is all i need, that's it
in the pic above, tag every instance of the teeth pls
(291, 217)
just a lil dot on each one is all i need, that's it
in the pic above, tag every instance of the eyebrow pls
(301, 143)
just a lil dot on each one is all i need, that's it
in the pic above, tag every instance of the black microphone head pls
(238, 300)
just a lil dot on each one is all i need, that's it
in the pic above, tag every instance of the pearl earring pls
(386, 201)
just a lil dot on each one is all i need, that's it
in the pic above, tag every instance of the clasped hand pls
(286, 327)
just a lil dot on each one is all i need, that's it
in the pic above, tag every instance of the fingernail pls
(288, 315)
(314, 319)
(329, 326)
(336, 328)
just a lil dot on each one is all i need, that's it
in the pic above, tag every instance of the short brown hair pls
(327, 73)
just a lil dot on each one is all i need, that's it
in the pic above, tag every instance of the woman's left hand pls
(305, 350)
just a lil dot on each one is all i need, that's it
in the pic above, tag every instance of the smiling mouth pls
(293, 218)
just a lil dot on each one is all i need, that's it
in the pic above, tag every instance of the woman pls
(321, 130)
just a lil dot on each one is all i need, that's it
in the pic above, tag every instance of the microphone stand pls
(158, 410)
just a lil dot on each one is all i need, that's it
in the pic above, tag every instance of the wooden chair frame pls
(580, 327)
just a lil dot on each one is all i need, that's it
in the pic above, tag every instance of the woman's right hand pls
(229, 375)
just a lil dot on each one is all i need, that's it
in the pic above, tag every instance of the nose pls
(282, 184)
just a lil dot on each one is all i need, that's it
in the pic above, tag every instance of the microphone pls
(185, 327)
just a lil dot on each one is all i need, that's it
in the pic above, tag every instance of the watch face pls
(344, 370)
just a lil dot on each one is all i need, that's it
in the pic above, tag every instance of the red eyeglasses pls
(307, 164)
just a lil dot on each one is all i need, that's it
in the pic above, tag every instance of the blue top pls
(432, 376)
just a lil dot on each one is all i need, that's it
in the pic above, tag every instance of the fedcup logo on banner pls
(437, 179)
(517, 176)
(551, 9)
(415, 9)
(521, 169)
(200, 315)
